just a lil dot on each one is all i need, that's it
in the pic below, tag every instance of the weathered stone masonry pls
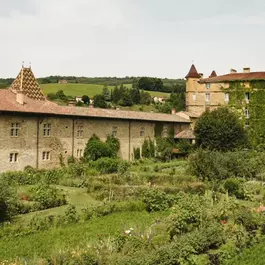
(41, 134)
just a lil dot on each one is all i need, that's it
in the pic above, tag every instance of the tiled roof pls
(188, 113)
(186, 134)
(213, 74)
(27, 84)
(8, 103)
(235, 77)
(193, 73)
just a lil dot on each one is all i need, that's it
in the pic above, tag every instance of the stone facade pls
(46, 141)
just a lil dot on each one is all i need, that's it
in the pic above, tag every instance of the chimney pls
(246, 70)
(173, 111)
(233, 71)
(20, 97)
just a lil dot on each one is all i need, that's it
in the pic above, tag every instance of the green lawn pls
(85, 89)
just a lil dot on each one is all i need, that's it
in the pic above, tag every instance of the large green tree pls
(220, 130)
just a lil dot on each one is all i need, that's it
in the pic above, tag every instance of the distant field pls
(85, 89)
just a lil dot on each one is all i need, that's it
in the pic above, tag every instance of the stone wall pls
(63, 140)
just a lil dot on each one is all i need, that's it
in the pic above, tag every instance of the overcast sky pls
(131, 37)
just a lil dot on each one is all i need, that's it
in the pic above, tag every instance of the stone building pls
(209, 93)
(40, 133)
(243, 92)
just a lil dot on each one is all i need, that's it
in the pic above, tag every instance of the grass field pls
(85, 89)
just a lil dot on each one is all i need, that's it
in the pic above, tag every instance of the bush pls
(234, 187)
(106, 165)
(220, 130)
(156, 200)
(214, 165)
(47, 196)
(71, 215)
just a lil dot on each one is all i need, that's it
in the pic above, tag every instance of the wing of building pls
(37, 132)
(209, 93)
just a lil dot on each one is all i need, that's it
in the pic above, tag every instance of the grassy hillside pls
(84, 89)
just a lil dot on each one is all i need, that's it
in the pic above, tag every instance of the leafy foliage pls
(96, 149)
(220, 130)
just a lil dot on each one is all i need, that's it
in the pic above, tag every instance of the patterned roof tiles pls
(27, 84)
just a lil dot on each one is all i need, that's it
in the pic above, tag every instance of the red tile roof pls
(235, 77)
(213, 74)
(193, 73)
(8, 103)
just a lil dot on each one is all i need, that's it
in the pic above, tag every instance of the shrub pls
(156, 200)
(7, 201)
(220, 130)
(71, 215)
(47, 196)
(106, 165)
(214, 165)
(136, 153)
(234, 187)
(96, 149)
(123, 168)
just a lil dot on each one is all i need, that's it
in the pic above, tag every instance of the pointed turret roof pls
(27, 84)
(213, 74)
(193, 73)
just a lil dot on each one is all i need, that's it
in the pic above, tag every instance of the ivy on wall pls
(256, 108)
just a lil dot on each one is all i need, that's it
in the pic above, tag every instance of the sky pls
(159, 38)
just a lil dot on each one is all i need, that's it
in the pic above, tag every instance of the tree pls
(86, 99)
(116, 95)
(96, 149)
(99, 102)
(220, 130)
(145, 98)
(135, 95)
(106, 93)
(7, 201)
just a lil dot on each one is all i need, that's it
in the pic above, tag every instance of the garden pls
(205, 208)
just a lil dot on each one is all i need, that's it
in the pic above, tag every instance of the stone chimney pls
(233, 71)
(173, 111)
(246, 70)
(20, 97)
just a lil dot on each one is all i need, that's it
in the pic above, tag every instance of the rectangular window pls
(45, 156)
(79, 153)
(13, 157)
(207, 97)
(208, 85)
(226, 97)
(47, 129)
(14, 129)
(114, 131)
(80, 131)
(246, 113)
(247, 97)
(194, 97)
(142, 131)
